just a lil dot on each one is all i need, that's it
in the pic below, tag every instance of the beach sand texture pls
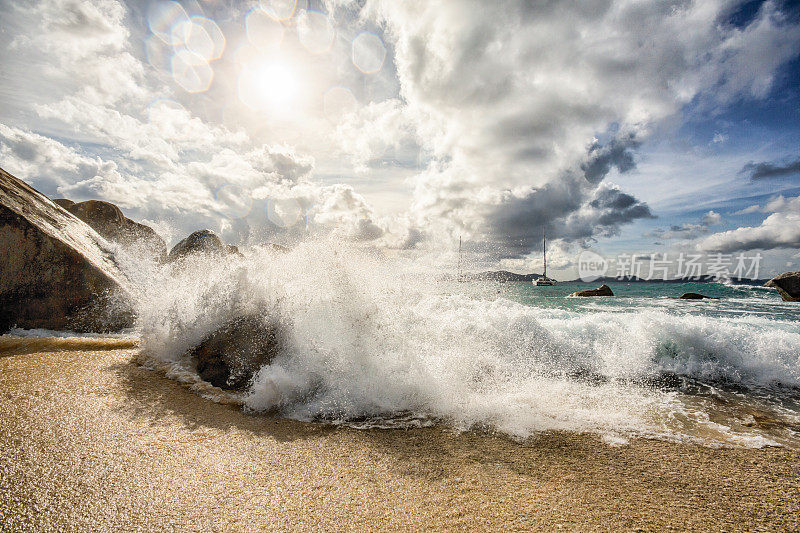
(90, 440)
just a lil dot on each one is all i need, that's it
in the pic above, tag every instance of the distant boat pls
(544, 280)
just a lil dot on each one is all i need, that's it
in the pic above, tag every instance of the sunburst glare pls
(268, 85)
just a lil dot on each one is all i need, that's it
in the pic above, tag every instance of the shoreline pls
(90, 439)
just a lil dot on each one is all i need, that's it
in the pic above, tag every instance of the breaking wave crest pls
(374, 341)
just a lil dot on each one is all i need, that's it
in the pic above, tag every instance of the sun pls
(268, 85)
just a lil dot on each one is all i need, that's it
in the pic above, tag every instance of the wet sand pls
(90, 440)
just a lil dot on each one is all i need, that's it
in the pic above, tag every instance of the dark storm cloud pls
(765, 169)
(612, 208)
(687, 230)
(560, 210)
(613, 198)
(617, 153)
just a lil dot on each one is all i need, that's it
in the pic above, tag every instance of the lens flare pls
(284, 212)
(337, 102)
(191, 71)
(246, 54)
(194, 38)
(368, 53)
(205, 38)
(262, 31)
(234, 201)
(282, 9)
(163, 16)
(315, 31)
(159, 54)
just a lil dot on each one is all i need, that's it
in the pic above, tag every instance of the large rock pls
(55, 271)
(230, 356)
(66, 204)
(200, 242)
(788, 285)
(602, 290)
(107, 220)
(696, 296)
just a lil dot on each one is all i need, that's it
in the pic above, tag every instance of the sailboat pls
(544, 280)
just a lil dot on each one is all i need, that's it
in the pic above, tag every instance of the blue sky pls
(621, 127)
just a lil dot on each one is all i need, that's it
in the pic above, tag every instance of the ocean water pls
(378, 341)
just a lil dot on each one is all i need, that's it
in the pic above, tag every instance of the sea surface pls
(372, 341)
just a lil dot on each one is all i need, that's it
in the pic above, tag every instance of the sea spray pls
(372, 339)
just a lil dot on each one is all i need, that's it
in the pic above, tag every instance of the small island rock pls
(602, 290)
(788, 285)
(696, 296)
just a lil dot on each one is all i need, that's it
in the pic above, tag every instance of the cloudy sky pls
(640, 126)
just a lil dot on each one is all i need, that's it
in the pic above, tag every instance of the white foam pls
(371, 338)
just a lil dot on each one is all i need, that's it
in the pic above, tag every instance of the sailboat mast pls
(544, 255)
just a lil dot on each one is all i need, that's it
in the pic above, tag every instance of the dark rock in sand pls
(200, 242)
(696, 296)
(230, 356)
(602, 290)
(788, 285)
(107, 220)
(56, 272)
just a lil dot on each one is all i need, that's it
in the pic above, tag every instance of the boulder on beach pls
(65, 203)
(57, 272)
(788, 286)
(107, 220)
(602, 290)
(696, 296)
(228, 357)
(200, 242)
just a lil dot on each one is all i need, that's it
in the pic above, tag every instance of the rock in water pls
(696, 296)
(203, 241)
(788, 285)
(602, 290)
(56, 272)
(107, 220)
(230, 356)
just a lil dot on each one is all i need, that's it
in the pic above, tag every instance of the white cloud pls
(510, 98)
(719, 138)
(377, 133)
(711, 218)
(781, 229)
(515, 113)
(51, 164)
(347, 212)
(749, 210)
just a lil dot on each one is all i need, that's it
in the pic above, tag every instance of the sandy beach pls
(90, 440)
